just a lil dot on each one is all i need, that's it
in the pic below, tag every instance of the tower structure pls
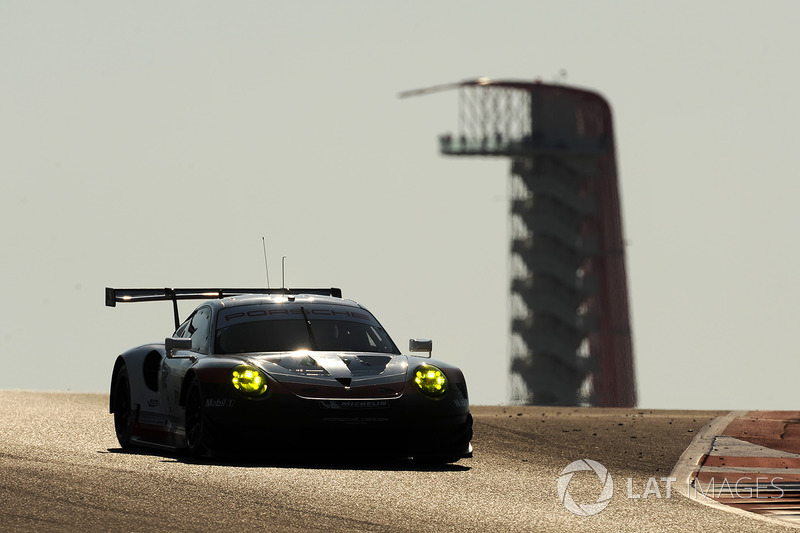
(570, 326)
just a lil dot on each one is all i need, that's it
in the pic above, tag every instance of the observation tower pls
(570, 326)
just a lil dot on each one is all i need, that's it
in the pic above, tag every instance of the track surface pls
(61, 470)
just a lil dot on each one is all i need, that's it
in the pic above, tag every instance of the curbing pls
(688, 466)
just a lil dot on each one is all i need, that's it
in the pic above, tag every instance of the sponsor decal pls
(215, 402)
(354, 404)
(279, 312)
(355, 420)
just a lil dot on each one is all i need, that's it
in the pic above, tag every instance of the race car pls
(285, 372)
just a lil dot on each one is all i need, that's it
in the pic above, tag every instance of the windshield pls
(256, 329)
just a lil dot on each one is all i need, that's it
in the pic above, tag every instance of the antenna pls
(283, 271)
(266, 265)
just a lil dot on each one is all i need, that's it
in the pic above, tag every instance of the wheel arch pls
(134, 361)
(187, 379)
(119, 363)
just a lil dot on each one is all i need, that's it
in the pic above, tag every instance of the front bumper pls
(287, 425)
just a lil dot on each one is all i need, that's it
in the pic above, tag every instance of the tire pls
(195, 422)
(459, 440)
(122, 407)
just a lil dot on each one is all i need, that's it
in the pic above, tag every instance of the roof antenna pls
(283, 271)
(266, 265)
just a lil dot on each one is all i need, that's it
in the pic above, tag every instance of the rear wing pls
(159, 295)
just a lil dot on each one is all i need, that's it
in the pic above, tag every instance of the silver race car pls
(285, 372)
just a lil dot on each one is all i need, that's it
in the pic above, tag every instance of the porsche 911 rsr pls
(285, 372)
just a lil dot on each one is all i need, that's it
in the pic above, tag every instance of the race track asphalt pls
(61, 469)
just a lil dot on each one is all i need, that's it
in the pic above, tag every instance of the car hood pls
(337, 374)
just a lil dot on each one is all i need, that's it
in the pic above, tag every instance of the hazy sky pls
(155, 143)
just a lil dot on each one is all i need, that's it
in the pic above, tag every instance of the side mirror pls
(173, 344)
(420, 345)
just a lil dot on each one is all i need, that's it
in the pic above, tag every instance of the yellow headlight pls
(249, 380)
(430, 380)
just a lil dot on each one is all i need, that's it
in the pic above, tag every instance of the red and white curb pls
(746, 462)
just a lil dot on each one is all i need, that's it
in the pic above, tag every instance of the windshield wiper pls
(310, 331)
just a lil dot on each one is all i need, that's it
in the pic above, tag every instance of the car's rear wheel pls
(122, 407)
(195, 422)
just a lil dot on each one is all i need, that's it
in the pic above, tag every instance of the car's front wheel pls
(195, 422)
(122, 407)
